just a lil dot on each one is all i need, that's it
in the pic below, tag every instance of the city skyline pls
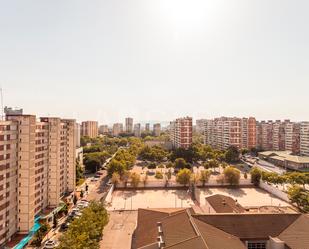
(156, 59)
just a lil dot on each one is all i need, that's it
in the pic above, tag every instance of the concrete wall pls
(109, 196)
(275, 191)
(172, 184)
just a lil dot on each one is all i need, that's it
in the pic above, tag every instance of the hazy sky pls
(156, 60)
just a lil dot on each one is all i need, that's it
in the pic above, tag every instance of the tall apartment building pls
(103, 129)
(279, 134)
(90, 129)
(137, 130)
(224, 132)
(77, 134)
(117, 129)
(304, 138)
(157, 129)
(8, 180)
(39, 161)
(129, 125)
(265, 133)
(147, 127)
(292, 137)
(181, 132)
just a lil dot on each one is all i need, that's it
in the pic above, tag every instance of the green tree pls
(125, 177)
(183, 176)
(135, 179)
(299, 196)
(115, 178)
(158, 175)
(232, 154)
(204, 176)
(180, 163)
(231, 175)
(256, 175)
(116, 166)
(86, 232)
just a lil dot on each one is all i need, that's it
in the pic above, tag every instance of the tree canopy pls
(183, 176)
(86, 232)
(231, 175)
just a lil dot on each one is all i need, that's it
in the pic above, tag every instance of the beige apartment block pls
(304, 138)
(266, 135)
(28, 184)
(279, 134)
(89, 129)
(37, 164)
(224, 132)
(292, 137)
(77, 134)
(117, 129)
(181, 132)
(103, 129)
(8, 180)
(70, 153)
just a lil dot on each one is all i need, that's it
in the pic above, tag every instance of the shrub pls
(158, 175)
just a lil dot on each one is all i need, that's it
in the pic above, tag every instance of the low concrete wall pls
(172, 184)
(275, 191)
(109, 196)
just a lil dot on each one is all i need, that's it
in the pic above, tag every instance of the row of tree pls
(292, 178)
(230, 175)
(86, 232)
(296, 191)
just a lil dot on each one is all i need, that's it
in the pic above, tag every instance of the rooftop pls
(184, 229)
(285, 156)
(224, 204)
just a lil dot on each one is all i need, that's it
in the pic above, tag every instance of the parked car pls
(64, 226)
(50, 244)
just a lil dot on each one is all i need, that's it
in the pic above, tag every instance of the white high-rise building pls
(304, 138)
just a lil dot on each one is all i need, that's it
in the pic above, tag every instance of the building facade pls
(304, 138)
(292, 137)
(137, 130)
(38, 162)
(129, 125)
(103, 129)
(147, 127)
(89, 129)
(181, 132)
(224, 132)
(157, 130)
(117, 129)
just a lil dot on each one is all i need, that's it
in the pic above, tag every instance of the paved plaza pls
(118, 232)
(132, 200)
(247, 197)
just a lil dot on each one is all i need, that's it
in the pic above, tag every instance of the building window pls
(256, 245)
